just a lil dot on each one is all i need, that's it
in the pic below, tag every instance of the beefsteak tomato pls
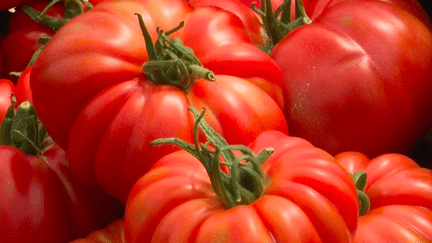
(40, 199)
(107, 110)
(357, 76)
(279, 189)
(400, 197)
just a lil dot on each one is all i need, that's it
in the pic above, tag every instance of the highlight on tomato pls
(7, 89)
(395, 197)
(356, 73)
(120, 82)
(277, 189)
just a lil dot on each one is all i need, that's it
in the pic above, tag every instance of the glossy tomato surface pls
(107, 111)
(42, 202)
(357, 78)
(400, 194)
(23, 34)
(309, 198)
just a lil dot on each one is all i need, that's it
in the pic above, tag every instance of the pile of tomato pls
(215, 121)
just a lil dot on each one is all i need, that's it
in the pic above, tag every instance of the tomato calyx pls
(72, 8)
(279, 23)
(22, 129)
(360, 178)
(170, 62)
(244, 181)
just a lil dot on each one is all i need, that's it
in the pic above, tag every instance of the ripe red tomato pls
(21, 42)
(358, 77)
(299, 195)
(21, 92)
(113, 233)
(400, 194)
(41, 201)
(107, 111)
(25, 33)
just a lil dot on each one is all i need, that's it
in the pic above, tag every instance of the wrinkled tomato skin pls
(400, 194)
(107, 111)
(309, 199)
(356, 79)
(245, 13)
(113, 233)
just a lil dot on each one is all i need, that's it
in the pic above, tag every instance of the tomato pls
(26, 36)
(7, 4)
(400, 194)
(21, 92)
(357, 77)
(41, 200)
(21, 42)
(107, 111)
(113, 233)
(278, 189)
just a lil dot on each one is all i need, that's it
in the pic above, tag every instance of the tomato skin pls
(23, 91)
(115, 111)
(247, 16)
(175, 201)
(400, 197)
(353, 85)
(23, 35)
(39, 196)
(113, 233)
(7, 88)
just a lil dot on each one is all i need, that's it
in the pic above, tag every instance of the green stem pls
(245, 181)
(360, 178)
(279, 23)
(170, 62)
(72, 8)
(22, 130)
